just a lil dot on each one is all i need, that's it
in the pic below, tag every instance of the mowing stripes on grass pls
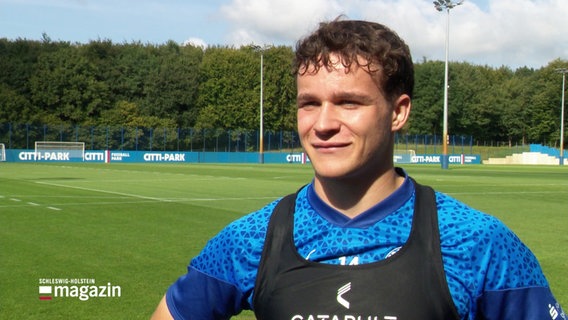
(103, 191)
(455, 194)
(157, 199)
(137, 225)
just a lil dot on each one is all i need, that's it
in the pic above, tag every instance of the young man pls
(362, 240)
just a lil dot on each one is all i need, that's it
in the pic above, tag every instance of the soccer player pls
(362, 240)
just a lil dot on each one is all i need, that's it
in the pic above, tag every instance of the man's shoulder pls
(452, 211)
(252, 224)
(460, 223)
(236, 249)
(481, 238)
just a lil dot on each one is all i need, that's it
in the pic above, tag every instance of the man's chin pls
(332, 172)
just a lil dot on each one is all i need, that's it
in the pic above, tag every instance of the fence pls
(23, 136)
(17, 136)
(428, 144)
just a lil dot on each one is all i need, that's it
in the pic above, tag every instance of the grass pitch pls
(137, 225)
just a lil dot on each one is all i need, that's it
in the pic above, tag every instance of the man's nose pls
(327, 120)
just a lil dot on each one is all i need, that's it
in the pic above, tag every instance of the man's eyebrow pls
(306, 97)
(351, 96)
(336, 96)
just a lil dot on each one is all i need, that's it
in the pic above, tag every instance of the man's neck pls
(354, 196)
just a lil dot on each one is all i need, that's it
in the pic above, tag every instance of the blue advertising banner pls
(109, 156)
(437, 159)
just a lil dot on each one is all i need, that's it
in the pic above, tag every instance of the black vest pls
(408, 285)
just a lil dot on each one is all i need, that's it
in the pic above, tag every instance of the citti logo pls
(340, 292)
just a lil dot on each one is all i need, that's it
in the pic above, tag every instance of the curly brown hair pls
(372, 46)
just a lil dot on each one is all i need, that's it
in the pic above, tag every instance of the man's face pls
(345, 123)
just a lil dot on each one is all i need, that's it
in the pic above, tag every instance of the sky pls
(512, 33)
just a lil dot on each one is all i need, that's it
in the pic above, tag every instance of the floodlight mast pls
(563, 71)
(442, 5)
(261, 123)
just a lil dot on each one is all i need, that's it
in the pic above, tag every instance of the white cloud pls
(494, 32)
(511, 32)
(276, 21)
(196, 42)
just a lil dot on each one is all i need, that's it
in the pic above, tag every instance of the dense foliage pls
(173, 86)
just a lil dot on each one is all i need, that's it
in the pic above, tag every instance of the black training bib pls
(409, 285)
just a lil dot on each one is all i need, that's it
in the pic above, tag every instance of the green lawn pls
(137, 225)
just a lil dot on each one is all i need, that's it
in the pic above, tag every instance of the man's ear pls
(401, 111)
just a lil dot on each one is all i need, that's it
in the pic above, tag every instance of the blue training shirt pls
(491, 274)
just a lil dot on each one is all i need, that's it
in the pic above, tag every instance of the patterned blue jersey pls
(491, 274)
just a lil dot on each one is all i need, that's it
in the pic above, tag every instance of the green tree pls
(476, 107)
(515, 95)
(229, 91)
(279, 92)
(18, 60)
(427, 104)
(171, 87)
(15, 107)
(130, 71)
(66, 88)
(128, 114)
(544, 106)
(158, 86)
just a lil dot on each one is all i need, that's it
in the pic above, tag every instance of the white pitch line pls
(54, 208)
(183, 200)
(505, 192)
(105, 191)
(177, 200)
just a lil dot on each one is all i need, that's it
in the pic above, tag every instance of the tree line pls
(102, 83)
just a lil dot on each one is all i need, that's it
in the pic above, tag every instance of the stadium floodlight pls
(563, 71)
(261, 111)
(442, 5)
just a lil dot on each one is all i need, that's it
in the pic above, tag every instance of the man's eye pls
(349, 103)
(307, 104)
